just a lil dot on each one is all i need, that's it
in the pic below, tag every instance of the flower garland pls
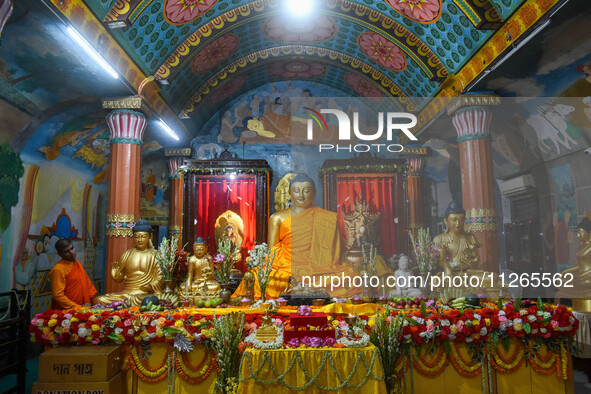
(509, 364)
(146, 373)
(361, 341)
(363, 167)
(433, 368)
(463, 367)
(187, 371)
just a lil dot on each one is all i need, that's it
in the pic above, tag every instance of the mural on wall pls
(56, 203)
(75, 136)
(565, 215)
(265, 115)
(155, 193)
(561, 58)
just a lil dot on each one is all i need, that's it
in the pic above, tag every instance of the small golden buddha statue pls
(208, 287)
(459, 252)
(137, 268)
(199, 260)
(458, 249)
(267, 331)
(580, 293)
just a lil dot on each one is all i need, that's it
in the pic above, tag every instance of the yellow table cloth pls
(348, 370)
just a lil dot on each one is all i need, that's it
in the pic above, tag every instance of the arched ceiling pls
(204, 53)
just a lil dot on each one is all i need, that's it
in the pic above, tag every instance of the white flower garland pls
(355, 342)
(258, 344)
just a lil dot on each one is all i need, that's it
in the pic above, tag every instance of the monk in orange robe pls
(70, 285)
(306, 242)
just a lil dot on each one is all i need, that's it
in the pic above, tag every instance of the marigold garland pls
(462, 366)
(186, 369)
(544, 368)
(146, 373)
(509, 364)
(433, 368)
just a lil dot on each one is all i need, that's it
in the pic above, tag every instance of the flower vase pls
(225, 294)
(168, 283)
(263, 294)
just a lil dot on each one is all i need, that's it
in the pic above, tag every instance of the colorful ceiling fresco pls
(393, 48)
(204, 54)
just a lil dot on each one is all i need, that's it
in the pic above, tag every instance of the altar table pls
(354, 370)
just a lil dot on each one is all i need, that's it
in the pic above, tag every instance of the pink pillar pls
(127, 131)
(472, 126)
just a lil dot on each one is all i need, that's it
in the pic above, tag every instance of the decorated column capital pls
(471, 118)
(127, 121)
(176, 158)
(417, 166)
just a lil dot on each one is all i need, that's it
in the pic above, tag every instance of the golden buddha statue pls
(580, 293)
(267, 331)
(458, 249)
(137, 268)
(306, 242)
(208, 287)
(199, 260)
(459, 252)
(229, 227)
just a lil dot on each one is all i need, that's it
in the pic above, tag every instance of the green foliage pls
(386, 335)
(11, 170)
(227, 335)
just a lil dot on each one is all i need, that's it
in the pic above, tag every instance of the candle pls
(187, 291)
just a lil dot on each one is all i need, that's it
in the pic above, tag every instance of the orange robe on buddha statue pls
(309, 245)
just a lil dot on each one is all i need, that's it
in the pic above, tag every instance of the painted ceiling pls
(206, 54)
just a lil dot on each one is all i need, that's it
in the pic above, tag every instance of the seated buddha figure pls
(580, 292)
(306, 242)
(199, 260)
(208, 287)
(137, 268)
(459, 251)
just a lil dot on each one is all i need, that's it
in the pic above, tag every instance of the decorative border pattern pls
(120, 225)
(412, 46)
(481, 219)
(386, 84)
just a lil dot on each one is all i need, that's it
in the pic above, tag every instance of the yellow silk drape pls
(312, 369)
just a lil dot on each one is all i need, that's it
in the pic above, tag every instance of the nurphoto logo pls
(402, 121)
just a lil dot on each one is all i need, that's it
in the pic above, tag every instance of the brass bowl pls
(281, 303)
(318, 302)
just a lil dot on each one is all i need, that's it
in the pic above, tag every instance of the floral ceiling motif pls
(297, 69)
(179, 12)
(318, 29)
(423, 11)
(215, 53)
(228, 89)
(382, 51)
(362, 86)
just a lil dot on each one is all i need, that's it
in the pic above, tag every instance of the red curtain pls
(378, 192)
(216, 195)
